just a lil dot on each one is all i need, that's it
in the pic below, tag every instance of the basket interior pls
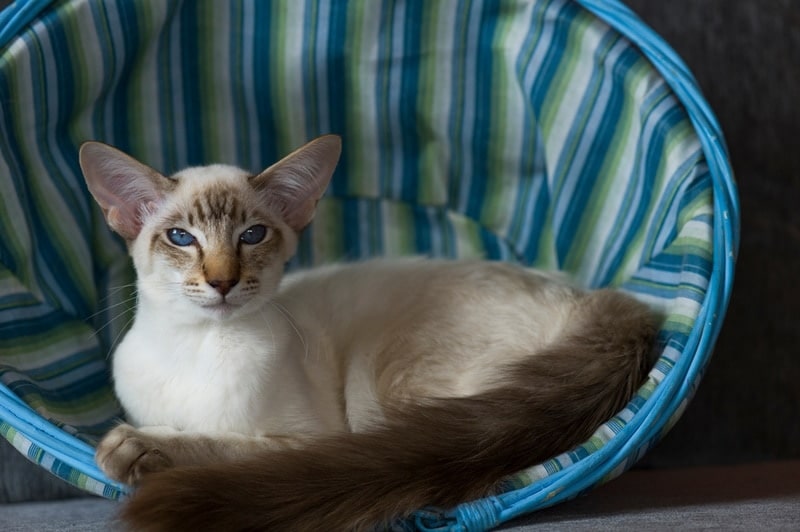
(509, 130)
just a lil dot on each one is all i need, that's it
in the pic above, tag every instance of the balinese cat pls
(346, 396)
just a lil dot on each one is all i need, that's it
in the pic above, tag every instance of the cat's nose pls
(223, 286)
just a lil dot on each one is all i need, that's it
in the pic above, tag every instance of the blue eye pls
(253, 235)
(179, 237)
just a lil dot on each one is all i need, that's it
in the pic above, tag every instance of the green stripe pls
(431, 185)
(63, 332)
(495, 211)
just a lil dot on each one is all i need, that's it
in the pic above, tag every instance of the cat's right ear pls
(124, 188)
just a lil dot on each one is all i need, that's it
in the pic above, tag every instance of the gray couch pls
(764, 496)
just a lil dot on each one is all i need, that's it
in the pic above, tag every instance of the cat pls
(342, 397)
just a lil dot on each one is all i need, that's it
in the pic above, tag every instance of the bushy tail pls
(439, 453)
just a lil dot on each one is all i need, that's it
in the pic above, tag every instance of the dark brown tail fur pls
(438, 453)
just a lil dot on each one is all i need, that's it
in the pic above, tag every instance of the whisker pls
(115, 305)
(112, 320)
(114, 290)
(269, 325)
(290, 319)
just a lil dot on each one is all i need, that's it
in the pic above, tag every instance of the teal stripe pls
(457, 171)
(337, 88)
(483, 107)
(409, 85)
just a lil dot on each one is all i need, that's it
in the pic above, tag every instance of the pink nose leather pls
(223, 287)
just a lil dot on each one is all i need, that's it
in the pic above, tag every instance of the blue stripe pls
(415, 12)
(531, 200)
(100, 23)
(190, 69)
(122, 102)
(492, 246)
(337, 90)
(171, 138)
(261, 71)
(383, 90)
(15, 303)
(423, 242)
(553, 58)
(631, 220)
(308, 68)
(47, 261)
(33, 327)
(483, 108)
(457, 105)
(350, 220)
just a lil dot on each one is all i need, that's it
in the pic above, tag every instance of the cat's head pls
(211, 241)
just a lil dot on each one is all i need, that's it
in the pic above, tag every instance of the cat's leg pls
(127, 454)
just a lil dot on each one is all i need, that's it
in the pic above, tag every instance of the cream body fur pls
(248, 387)
(333, 344)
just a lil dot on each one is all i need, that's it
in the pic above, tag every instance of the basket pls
(554, 133)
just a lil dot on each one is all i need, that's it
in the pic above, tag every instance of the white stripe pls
(439, 151)
(577, 162)
(513, 122)
(364, 143)
(577, 86)
(289, 75)
(223, 131)
(146, 89)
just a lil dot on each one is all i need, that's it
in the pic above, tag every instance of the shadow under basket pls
(558, 134)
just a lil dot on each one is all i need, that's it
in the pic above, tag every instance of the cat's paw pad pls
(126, 455)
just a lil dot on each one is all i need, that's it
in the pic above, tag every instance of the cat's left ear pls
(295, 184)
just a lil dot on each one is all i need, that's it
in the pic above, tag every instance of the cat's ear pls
(295, 184)
(124, 188)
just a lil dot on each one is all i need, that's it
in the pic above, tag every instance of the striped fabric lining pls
(512, 130)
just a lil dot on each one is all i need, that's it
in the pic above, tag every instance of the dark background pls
(745, 55)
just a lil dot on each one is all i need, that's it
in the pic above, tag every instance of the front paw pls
(126, 454)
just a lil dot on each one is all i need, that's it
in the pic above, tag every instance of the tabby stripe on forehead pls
(218, 205)
(200, 211)
(221, 205)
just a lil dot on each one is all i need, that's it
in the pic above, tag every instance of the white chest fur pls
(218, 377)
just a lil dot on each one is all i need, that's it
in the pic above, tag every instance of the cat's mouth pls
(221, 309)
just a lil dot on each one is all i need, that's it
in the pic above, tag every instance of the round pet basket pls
(555, 133)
